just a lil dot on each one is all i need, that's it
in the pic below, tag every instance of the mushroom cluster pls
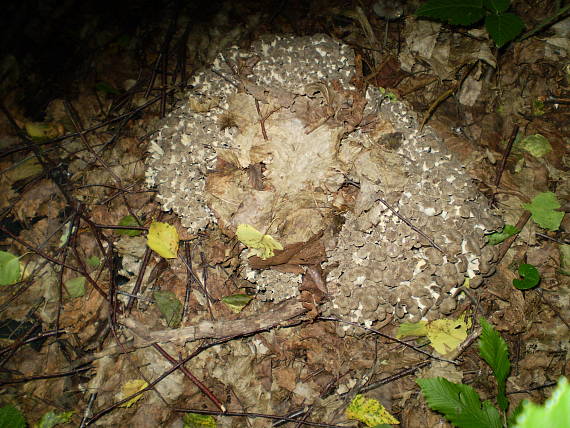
(281, 137)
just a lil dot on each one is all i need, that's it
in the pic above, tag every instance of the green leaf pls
(459, 403)
(128, 220)
(237, 302)
(75, 286)
(537, 145)
(194, 420)
(497, 6)
(94, 261)
(493, 349)
(455, 12)
(170, 307)
(503, 28)
(553, 414)
(498, 237)
(530, 275)
(9, 268)
(542, 208)
(412, 329)
(106, 88)
(512, 419)
(51, 419)
(11, 417)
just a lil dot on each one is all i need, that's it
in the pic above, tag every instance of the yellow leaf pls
(163, 239)
(259, 244)
(44, 130)
(130, 388)
(369, 411)
(447, 334)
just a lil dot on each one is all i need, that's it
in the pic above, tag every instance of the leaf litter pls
(285, 369)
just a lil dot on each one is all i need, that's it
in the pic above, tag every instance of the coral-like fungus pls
(275, 137)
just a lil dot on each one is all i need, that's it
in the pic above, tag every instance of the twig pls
(506, 155)
(386, 336)
(257, 415)
(193, 378)
(509, 241)
(414, 228)
(281, 313)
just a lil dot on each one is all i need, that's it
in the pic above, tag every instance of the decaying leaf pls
(129, 388)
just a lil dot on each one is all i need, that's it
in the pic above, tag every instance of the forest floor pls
(94, 100)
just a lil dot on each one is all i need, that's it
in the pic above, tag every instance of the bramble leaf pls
(76, 286)
(459, 403)
(497, 6)
(11, 417)
(537, 145)
(169, 306)
(503, 27)
(493, 349)
(128, 220)
(542, 208)
(454, 12)
(9, 268)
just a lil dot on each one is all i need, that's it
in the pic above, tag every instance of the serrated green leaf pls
(530, 276)
(9, 268)
(498, 237)
(194, 420)
(497, 6)
(75, 286)
(493, 349)
(237, 302)
(11, 417)
(170, 307)
(512, 419)
(459, 403)
(537, 145)
(554, 413)
(503, 28)
(542, 208)
(51, 419)
(128, 220)
(455, 12)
